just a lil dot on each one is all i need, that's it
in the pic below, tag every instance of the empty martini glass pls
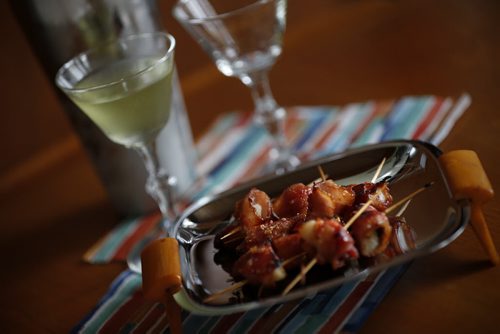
(244, 39)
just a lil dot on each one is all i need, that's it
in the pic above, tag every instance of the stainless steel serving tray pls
(436, 218)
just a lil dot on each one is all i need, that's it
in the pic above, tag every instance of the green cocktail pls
(125, 87)
(129, 112)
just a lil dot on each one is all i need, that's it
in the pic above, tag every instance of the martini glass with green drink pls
(124, 87)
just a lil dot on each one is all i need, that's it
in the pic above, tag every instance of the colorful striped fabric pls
(343, 309)
(234, 150)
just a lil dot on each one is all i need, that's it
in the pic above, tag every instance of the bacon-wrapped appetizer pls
(402, 238)
(259, 266)
(266, 232)
(328, 199)
(252, 210)
(377, 192)
(328, 241)
(324, 223)
(371, 232)
(293, 202)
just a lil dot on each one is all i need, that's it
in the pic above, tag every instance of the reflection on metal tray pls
(436, 218)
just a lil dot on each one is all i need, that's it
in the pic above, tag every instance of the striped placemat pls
(234, 150)
(122, 310)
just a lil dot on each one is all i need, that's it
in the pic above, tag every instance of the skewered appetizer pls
(322, 223)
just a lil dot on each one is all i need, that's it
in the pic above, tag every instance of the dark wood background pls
(53, 206)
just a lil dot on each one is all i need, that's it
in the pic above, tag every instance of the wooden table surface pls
(335, 52)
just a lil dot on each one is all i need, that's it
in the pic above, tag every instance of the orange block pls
(468, 180)
(161, 269)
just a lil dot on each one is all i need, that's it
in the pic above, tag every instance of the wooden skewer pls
(231, 288)
(310, 184)
(323, 177)
(322, 174)
(358, 213)
(408, 197)
(234, 231)
(240, 284)
(403, 208)
(300, 276)
(293, 258)
(379, 169)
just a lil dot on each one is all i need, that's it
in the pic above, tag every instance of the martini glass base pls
(280, 163)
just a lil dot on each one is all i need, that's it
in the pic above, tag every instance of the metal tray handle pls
(468, 180)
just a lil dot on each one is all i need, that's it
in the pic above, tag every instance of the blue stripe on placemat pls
(407, 114)
(112, 290)
(250, 141)
(317, 119)
(307, 322)
(348, 119)
(112, 244)
(376, 295)
(372, 133)
(209, 324)
(361, 112)
(247, 319)
(198, 324)
(222, 125)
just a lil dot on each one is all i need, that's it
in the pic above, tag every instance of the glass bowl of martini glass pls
(244, 39)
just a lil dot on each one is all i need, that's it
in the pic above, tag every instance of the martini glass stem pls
(271, 116)
(159, 184)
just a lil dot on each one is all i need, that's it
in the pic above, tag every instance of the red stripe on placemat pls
(243, 119)
(123, 314)
(294, 126)
(362, 126)
(146, 224)
(326, 135)
(226, 322)
(347, 306)
(316, 141)
(255, 165)
(380, 108)
(428, 119)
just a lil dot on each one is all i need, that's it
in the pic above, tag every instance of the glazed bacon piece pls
(266, 232)
(371, 232)
(328, 241)
(377, 192)
(293, 202)
(289, 248)
(328, 199)
(259, 266)
(254, 209)
(402, 238)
